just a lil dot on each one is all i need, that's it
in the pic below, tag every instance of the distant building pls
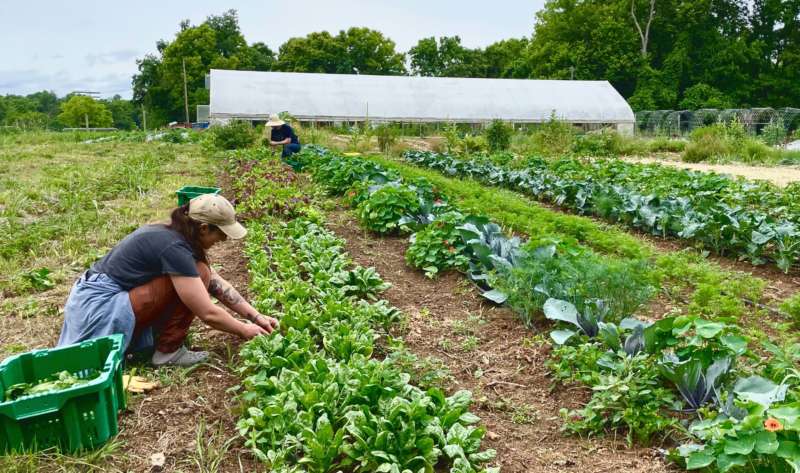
(252, 95)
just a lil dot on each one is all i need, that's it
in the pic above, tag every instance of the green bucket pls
(187, 193)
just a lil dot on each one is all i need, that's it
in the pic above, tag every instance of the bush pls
(382, 210)
(473, 144)
(774, 133)
(755, 151)
(554, 138)
(605, 143)
(705, 149)
(663, 144)
(387, 135)
(498, 135)
(234, 135)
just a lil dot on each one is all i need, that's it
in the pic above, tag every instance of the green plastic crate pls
(187, 193)
(78, 418)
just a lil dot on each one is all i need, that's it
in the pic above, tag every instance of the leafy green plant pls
(360, 282)
(589, 321)
(382, 210)
(387, 135)
(756, 432)
(791, 306)
(498, 135)
(40, 279)
(697, 385)
(438, 246)
(629, 398)
(234, 135)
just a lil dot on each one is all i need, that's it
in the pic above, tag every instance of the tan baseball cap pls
(216, 210)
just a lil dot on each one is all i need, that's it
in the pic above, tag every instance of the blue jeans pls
(290, 149)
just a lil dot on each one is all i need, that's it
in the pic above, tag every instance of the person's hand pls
(267, 323)
(248, 331)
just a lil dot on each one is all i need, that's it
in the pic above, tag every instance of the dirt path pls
(504, 369)
(779, 175)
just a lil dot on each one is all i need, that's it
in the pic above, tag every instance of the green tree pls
(356, 50)
(507, 58)
(78, 108)
(704, 96)
(215, 43)
(446, 57)
(123, 113)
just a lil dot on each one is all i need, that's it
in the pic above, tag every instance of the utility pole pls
(86, 120)
(144, 118)
(571, 72)
(185, 92)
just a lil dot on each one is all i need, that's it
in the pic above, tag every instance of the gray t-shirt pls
(148, 252)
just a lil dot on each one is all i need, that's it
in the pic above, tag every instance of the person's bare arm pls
(278, 143)
(224, 292)
(193, 294)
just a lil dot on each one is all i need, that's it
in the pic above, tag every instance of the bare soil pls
(513, 394)
(779, 175)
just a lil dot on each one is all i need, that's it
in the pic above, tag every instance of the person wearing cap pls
(281, 134)
(154, 282)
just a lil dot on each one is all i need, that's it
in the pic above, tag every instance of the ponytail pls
(189, 229)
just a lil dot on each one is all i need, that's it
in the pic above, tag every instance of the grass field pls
(64, 204)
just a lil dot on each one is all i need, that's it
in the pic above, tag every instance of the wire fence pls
(681, 122)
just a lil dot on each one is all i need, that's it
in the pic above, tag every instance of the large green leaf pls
(555, 309)
(741, 446)
(707, 328)
(759, 390)
(697, 460)
(560, 337)
(725, 462)
(766, 442)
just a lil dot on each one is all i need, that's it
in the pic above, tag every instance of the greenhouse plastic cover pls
(342, 97)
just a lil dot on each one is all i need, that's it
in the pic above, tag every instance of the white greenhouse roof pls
(344, 97)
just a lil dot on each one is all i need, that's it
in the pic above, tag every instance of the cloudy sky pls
(93, 45)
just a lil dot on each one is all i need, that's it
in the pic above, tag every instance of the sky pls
(66, 46)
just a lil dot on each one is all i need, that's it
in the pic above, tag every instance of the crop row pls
(679, 377)
(313, 398)
(750, 221)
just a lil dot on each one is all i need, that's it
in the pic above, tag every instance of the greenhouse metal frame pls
(310, 97)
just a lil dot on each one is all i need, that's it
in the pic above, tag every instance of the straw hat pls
(274, 120)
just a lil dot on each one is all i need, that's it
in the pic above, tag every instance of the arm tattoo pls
(224, 292)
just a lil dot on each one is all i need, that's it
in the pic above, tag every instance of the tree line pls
(659, 54)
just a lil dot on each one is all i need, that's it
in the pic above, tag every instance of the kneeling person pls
(281, 134)
(153, 283)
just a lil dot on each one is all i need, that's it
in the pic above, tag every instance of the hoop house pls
(252, 95)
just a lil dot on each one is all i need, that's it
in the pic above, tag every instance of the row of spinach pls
(691, 379)
(752, 221)
(313, 397)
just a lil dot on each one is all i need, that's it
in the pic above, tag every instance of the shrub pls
(604, 143)
(382, 210)
(554, 137)
(710, 142)
(387, 135)
(473, 144)
(498, 135)
(663, 144)
(774, 133)
(755, 151)
(234, 135)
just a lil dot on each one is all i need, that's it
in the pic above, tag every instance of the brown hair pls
(189, 228)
